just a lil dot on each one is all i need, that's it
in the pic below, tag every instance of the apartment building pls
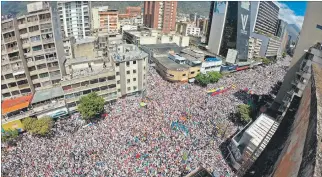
(133, 11)
(75, 18)
(32, 51)
(254, 47)
(68, 43)
(273, 47)
(160, 15)
(86, 75)
(105, 20)
(131, 66)
(187, 29)
(264, 17)
(203, 24)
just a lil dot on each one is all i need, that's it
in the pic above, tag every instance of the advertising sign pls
(231, 56)
(243, 31)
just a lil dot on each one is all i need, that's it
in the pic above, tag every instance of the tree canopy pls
(91, 105)
(244, 113)
(210, 77)
(40, 126)
(9, 135)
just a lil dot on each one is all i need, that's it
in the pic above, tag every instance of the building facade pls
(75, 18)
(254, 48)
(229, 28)
(105, 20)
(160, 15)
(133, 11)
(311, 34)
(32, 51)
(264, 17)
(131, 66)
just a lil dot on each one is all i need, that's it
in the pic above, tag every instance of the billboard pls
(243, 30)
(231, 56)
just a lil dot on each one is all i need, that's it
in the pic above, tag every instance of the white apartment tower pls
(75, 18)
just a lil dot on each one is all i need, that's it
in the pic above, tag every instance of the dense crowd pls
(139, 141)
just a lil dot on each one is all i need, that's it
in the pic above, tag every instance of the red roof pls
(15, 104)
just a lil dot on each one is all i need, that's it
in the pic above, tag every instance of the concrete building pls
(281, 28)
(131, 66)
(187, 29)
(264, 17)
(68, 44)
(32, 51)
(133, 11)
(311, 34)
(254, 48)
(294, 149)
(251, 140)
(86, 75)
(229, 28)
(160, 50)
(128, 20)
(203, 25)
(75, 18)
(105, 20)
(273, 47)
(150, 36)
(160, 15)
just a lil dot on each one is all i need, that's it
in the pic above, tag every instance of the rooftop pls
(15, 104)
(80, 60)
(163, 48)
(47, 94)
(88, 39)
(127, 52)
(170, 64)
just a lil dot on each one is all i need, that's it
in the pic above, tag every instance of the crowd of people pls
(136, 140)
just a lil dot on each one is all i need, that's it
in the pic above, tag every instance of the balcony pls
(33, 23)
(15, 58)
(22, 26)
(50, 40)
(7, 81)
(50, 49)
(3, 62)
(34, 33)
(23, 86)
(7, 29)
(10, 39)
(24, 36)
(48, 106)
(6, 70)
(37, 52)
(290, 92)
(12, 49)
(45, 20)
(295, 82)
(55, 76)
(39, 80)
(27, 55)
(51, 58)
(17, 117)
(53, 68)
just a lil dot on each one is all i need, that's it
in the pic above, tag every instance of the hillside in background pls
(20, 7)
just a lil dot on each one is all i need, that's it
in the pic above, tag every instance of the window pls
(128, 81)
(43, 75)
(110, 78)
(183, 74)
(127, 63)
(85, 83)
(134, 79)
(198, 70)
(118, 90)
(103, 88)
(118, 82)
(134, 88)
(117, 73)
(192, 72)
(134, 71)
(15, 93)
(112, 86)
(4, 86)
(6, 95)
(144, 68)
(127, 72)
(117, 64)
(94, 81)
(134, 62)
(67, 87)
(102, 79)
(129, 89)
(95, 89)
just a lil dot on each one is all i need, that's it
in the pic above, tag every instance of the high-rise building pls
(32, 51)
(133, 11)
(160, 15)
(229, 28)
(311, 34)
(75, 18)
(105, 20)
(281, 28)
(264, 17)
(203, 25)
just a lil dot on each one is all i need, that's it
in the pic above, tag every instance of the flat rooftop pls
(170, 64)
(47, 94)
(88, 39)
(259, 129)
(81, 60)
(163, 48)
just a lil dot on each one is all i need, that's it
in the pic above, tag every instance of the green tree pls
(40, 126)
(244, 113)
(266, 61)
(91, 105)
(9, 135)
(202, 79)
(284, 55)
(214, 76)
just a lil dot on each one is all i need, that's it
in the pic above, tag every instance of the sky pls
(292, 12)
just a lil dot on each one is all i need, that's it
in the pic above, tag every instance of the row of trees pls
(209, 77)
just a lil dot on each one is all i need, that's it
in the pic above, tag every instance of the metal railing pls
(9, 39)
(50, 49)
(12, 49)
